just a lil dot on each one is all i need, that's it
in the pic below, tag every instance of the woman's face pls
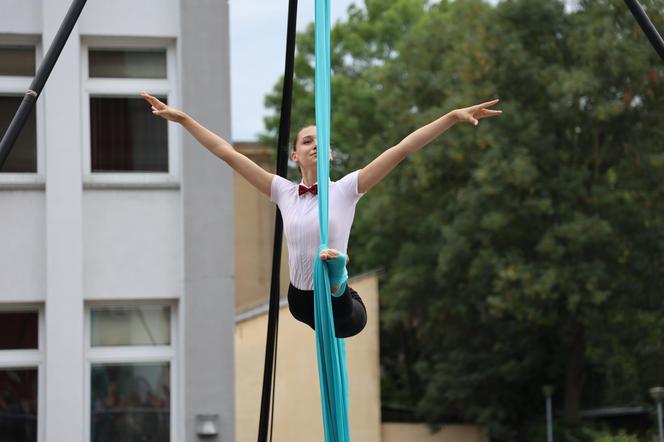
(306, 149)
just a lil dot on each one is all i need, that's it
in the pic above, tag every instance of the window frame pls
(19, 85)
(30, 359)
(129, 87)
(133, 355)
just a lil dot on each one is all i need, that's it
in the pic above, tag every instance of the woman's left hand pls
(475, 113)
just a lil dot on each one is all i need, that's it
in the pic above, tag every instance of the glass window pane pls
(113, 63)
(18, 405)
(130, 325)
(17, 61)
(23, 156)
(126, 137)
(19, 330)
(130, 402)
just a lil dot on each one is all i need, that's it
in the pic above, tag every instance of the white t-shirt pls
(300, 215)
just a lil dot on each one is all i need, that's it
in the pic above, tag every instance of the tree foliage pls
(528, 250)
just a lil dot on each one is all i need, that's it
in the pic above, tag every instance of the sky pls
(258, 50)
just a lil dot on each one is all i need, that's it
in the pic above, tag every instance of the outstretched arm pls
(252, 172)
(378, 169)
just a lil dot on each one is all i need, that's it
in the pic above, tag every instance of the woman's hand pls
(163, 110)
(475, 113)
(375, 171)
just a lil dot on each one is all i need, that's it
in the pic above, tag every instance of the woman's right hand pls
(163, 110)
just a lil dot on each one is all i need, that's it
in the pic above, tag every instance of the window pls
(124, 326)
(18, 61)
(17, 68)
(114, 63)
(131, 358)
(20, 361)
(126, 137)
(18, 331)
(126, 142)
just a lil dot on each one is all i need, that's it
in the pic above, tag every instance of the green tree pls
(529, 250)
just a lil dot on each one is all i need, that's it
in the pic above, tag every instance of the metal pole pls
(648, 28)
(549, 420)
(660, 422)
(548, 392)
(657, 393)
(39, 81)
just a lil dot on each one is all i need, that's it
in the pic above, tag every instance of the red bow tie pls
(304, 189)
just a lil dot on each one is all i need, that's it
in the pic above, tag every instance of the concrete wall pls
(64, 241)
(23, 253)
(207, 198)
(135, 246)
(22, 16)
(297, 406)
(144, 18)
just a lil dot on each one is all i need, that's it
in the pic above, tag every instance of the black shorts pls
(350, 315)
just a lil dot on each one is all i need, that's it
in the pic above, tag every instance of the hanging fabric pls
(331, 351)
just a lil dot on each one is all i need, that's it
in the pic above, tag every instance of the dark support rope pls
(267, 406)
(39, 81)
(644, 21)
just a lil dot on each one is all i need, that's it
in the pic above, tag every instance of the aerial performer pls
(298, 204)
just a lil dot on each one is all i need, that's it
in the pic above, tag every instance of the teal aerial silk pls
(331, 351)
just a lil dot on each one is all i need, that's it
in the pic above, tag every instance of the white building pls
(116, 229)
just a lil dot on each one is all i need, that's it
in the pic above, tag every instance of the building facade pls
(117, 255)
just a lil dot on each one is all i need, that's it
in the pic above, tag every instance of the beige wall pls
(297, 401)
(421, 433)
(254, 236)
(297, 395)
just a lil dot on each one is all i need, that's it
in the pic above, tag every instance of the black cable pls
(267, 405)
(648, 28)
(44, 71)
(274, 383)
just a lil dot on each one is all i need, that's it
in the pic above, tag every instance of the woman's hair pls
(297, 136)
